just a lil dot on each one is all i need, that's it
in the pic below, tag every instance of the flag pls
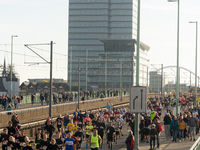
(172, 0)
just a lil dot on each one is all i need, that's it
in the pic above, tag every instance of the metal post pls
(86, 73)
(195, 104)
(132, 83)
(105, 74)
(136, 129)
(147, 78)
(71, 71)
(51, 71)
(198, 82)
(190, 79)
(11, 66)
(121, 78)
(78, 81)
(177, 69)
(161, 79)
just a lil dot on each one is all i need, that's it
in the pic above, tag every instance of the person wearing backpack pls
(153, 133)
(159, 129)
(174, 127)
(193, 124)
(130, 141)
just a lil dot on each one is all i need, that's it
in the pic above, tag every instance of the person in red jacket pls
(106, 113)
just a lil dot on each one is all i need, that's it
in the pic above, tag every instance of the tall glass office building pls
(102, 35)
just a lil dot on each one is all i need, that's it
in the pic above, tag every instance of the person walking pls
(174, 127)
(181, 125)
(130, 141)
(32, 98)
(42, 98)
(153, 133)
(193, 124)
(167, 121)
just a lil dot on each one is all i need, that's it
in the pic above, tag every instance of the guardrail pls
(196, 145)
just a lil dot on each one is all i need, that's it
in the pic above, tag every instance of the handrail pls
(196, 145)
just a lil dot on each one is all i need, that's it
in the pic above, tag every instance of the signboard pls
(138, 99)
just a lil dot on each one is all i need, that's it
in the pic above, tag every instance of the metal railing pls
(196, 145)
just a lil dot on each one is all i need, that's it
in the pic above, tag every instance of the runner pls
(94, 140)
(110, 134)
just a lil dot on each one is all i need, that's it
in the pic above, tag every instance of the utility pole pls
(136, 129)
(121, 79)
(11, 66)
(51, 71)
(78, 82)
(161, 79)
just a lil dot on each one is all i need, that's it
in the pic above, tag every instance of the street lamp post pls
(196, 22)
(70, 82)
(11, 67)
(177, 66)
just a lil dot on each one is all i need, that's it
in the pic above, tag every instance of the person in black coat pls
(50, 128)
(167, 121)
(11, 129)
(153, 133)
(142, 125)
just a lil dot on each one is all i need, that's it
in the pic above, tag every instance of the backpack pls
(131, 144)
(160, 128)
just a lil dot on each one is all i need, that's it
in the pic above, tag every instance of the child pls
(153, 133)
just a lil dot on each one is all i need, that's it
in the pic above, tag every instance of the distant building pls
(170, 87)
(28, 88)
(155, 82)
(100, 32)
(5, 82)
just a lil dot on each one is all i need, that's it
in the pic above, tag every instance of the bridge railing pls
(196, 145)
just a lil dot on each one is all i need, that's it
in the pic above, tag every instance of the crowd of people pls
(9, 103)
(71, 131)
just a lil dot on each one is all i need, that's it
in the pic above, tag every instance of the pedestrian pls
(15, 101)
(181, 125)
(167, 121)
(193, 124)
(42, 98)
(153, 133)
(32, 98)
(60, 97)
(69, 141)
(174, 128)
(159, 129)
(130, 141)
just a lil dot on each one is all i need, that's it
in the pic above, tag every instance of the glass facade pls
(89, 22)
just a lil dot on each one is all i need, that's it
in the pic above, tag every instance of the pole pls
(190, 79)
(78, 81)
(136, 129)
(195, 104)
(51, 71)
(147, 78)
(121, 78)
(105, 73)
(86, 73)
(11, 67)
(177, 69)
(71, 71)
(133, 70)
(162, 80)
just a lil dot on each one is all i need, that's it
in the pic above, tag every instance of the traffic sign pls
(138, 99)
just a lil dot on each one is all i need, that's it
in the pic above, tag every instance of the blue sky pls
(44, 21)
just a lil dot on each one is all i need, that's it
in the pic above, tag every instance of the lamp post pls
(86, 67)
(11, 67)
(195, 102)
(177, 66)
